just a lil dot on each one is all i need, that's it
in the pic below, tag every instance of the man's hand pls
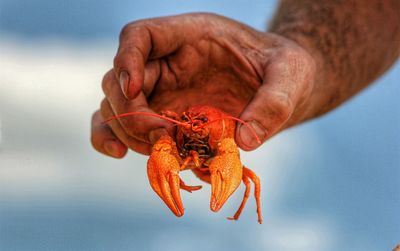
(176, 62)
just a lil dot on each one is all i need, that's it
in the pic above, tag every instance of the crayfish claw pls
(226, 173)
(172, 196)
(163, 173)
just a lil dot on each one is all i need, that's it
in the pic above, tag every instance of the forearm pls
(353, 42)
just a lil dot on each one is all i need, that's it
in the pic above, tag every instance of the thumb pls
(266, 114)
(270, 108)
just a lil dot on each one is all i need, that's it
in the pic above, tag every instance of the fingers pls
(143, 128)
(141, 41)
(104, 140)
(287, 83)
(151, 75)
(114, 125)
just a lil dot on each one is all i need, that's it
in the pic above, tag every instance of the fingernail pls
(124, 82)
(112, 148)
(156, 134)
(247, 136)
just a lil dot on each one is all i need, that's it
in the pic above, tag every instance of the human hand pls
(173, 63)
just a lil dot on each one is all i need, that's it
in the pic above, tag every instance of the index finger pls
(148, 39)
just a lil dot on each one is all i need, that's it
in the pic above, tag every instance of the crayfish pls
(204, 144)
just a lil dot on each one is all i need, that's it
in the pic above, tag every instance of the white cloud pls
(308, 234)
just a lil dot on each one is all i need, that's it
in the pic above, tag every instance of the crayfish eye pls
(204, 119)
(184, 118)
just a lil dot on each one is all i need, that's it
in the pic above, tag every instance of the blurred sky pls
(330, 184)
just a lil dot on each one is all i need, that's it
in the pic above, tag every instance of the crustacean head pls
(195, 124)
(200, 122)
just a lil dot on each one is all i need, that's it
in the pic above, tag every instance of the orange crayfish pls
(204, 144)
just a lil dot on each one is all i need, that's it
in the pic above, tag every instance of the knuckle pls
(281, 65)
(290, 52)
(105, 108)
(94, 141)
(296, 60)
(107, 81)
(127, 29)
(312, 65)
(95, 115)
(134, 127)
(96, 119)
(129, 125)
(280, 107)
(138, 27)
(127, 57)
(119, 60)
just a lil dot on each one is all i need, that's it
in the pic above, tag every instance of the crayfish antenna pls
(145, 114)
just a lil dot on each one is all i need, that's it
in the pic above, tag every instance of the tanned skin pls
(352, 41)
(316, 55)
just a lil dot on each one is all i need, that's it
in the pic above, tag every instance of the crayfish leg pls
(247, 173)
(193, 157)
(188, 188)
(257, 189)
(245, 197)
